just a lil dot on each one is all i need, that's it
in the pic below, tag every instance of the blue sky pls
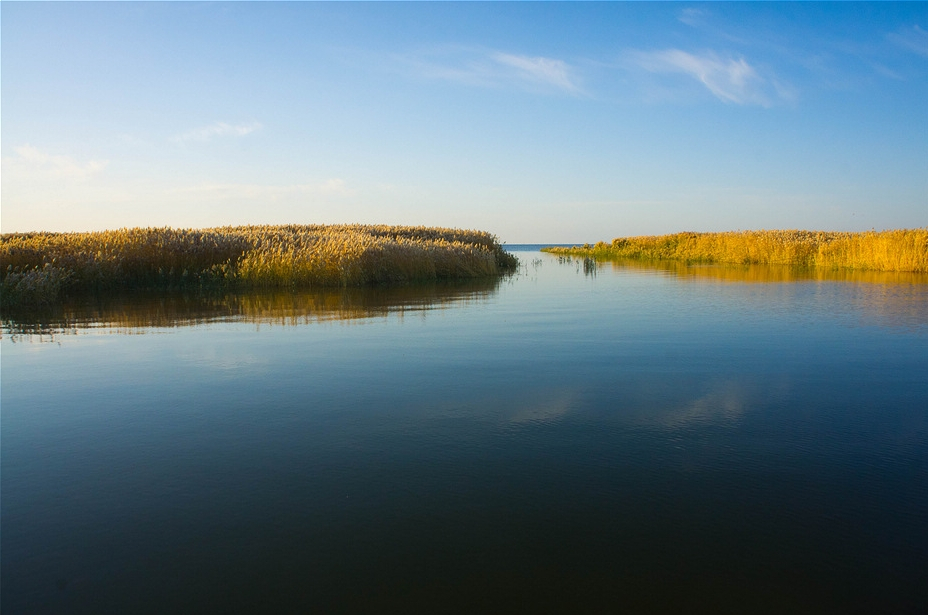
(539, 122)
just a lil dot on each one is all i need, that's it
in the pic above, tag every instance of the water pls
(571, 439)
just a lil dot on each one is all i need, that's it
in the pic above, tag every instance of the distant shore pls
(40, 268)
(893, 250)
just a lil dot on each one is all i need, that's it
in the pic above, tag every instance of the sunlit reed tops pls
(37, 267)
(895, 250)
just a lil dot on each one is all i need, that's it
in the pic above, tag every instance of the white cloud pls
(731, 80)
(886, 71)
(487, 68)
(331, 188)
(458, 67)
(33, 164)
(914, 39)
(692, 16)
(547, 71)
(217, 129)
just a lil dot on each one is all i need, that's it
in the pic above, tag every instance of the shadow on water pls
(128, 312)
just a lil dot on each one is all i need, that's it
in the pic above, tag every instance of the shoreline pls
(904, 250)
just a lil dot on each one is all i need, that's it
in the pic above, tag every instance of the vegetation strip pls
(38, 268)
(895, 250)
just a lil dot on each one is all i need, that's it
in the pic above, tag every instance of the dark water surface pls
(575, 439)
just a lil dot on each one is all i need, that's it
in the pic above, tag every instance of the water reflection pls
(588, 264)
(556, 405)
(885, 298)
(137, 312)
(639, 441)
(766, 274)
(723, 404)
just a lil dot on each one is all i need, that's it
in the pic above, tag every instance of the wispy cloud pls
(914, 39)
(730, 79)
(217, 129)
(31, 163)
(334, 187)
(692, 16)
(493, 68)
(548, 71)
(885, 71)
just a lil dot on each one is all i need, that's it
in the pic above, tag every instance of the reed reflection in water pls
(146, 310)
(641, 440)
(894, 298)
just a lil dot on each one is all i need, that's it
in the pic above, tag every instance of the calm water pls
(579, 439)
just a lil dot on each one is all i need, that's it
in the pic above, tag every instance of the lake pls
(578, 437)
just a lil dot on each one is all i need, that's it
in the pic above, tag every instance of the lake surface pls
(576, 438)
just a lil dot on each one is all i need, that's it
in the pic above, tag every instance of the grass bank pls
(40, 268)
(896, 250)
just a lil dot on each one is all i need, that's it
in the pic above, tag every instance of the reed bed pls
(38, 268)
(894, 250)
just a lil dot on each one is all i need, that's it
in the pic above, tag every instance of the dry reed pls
(36, 268)
(894, 250)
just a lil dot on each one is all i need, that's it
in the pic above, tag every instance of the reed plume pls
(36, 268)
(894, 250)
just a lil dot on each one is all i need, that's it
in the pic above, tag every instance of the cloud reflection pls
(555, 406)
(725, 403)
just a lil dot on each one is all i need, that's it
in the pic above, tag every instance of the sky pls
(541, 122)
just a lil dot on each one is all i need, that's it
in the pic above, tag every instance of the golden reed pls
(895, 250)
(37, 267)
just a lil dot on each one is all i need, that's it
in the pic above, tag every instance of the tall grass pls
(895, 250)
(36, 268)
